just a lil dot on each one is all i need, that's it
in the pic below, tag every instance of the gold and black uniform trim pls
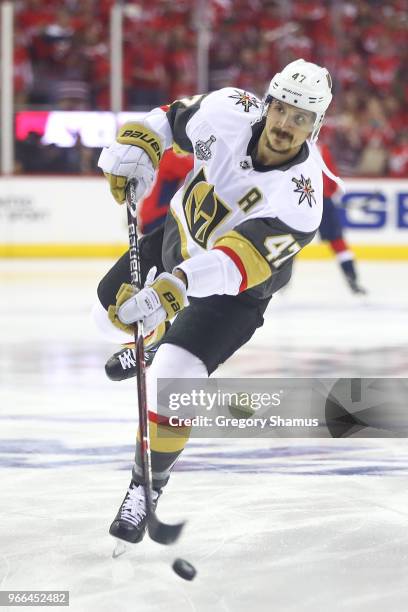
(245, 244)
(178, 115)
(252, 265)
(203, 209)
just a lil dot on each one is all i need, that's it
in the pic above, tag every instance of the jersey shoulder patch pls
(301, 201)
(230, 112)
(242, 100)
(234, 98)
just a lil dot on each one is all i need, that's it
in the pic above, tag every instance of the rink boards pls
(76, 217)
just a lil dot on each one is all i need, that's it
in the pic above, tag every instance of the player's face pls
(287, 126)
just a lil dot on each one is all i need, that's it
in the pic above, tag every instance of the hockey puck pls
(184, 569)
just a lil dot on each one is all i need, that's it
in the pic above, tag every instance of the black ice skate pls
(131, 520)
(354, 285)
(122, 365)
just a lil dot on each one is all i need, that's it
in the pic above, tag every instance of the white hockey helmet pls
(305, 85)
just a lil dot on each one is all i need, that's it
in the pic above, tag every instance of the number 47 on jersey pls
(278, 246)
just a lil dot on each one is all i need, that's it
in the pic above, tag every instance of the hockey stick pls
(158, 531)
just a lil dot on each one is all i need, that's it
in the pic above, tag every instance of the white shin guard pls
(171, 361)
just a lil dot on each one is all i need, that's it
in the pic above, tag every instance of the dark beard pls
(278, 151)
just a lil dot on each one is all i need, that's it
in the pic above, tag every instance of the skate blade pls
(120, 549)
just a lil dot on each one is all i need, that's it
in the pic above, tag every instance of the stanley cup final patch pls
(202, 148)
(304, 187)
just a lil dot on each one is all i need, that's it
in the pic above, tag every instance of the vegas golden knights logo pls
(203, 209)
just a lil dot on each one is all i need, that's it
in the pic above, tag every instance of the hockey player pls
(331, 230)
(252, 201)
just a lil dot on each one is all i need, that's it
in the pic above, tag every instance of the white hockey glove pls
(160, 300)
(135, 155)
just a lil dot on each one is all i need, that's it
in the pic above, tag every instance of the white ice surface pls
(283, 525)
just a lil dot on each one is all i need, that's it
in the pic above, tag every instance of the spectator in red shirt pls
(144, 71)
(181, 64)
(398, 158)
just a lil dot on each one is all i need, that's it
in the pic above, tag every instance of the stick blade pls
(162, 532)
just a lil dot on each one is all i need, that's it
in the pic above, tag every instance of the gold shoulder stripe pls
(255, 267)
(141, 136)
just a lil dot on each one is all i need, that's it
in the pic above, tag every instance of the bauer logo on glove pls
(135, 155)
(174, 304)
(141, 137)
(160, 300)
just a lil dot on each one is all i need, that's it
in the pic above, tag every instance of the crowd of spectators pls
(62, 61)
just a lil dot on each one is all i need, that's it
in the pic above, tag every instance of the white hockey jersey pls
(259, 216)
